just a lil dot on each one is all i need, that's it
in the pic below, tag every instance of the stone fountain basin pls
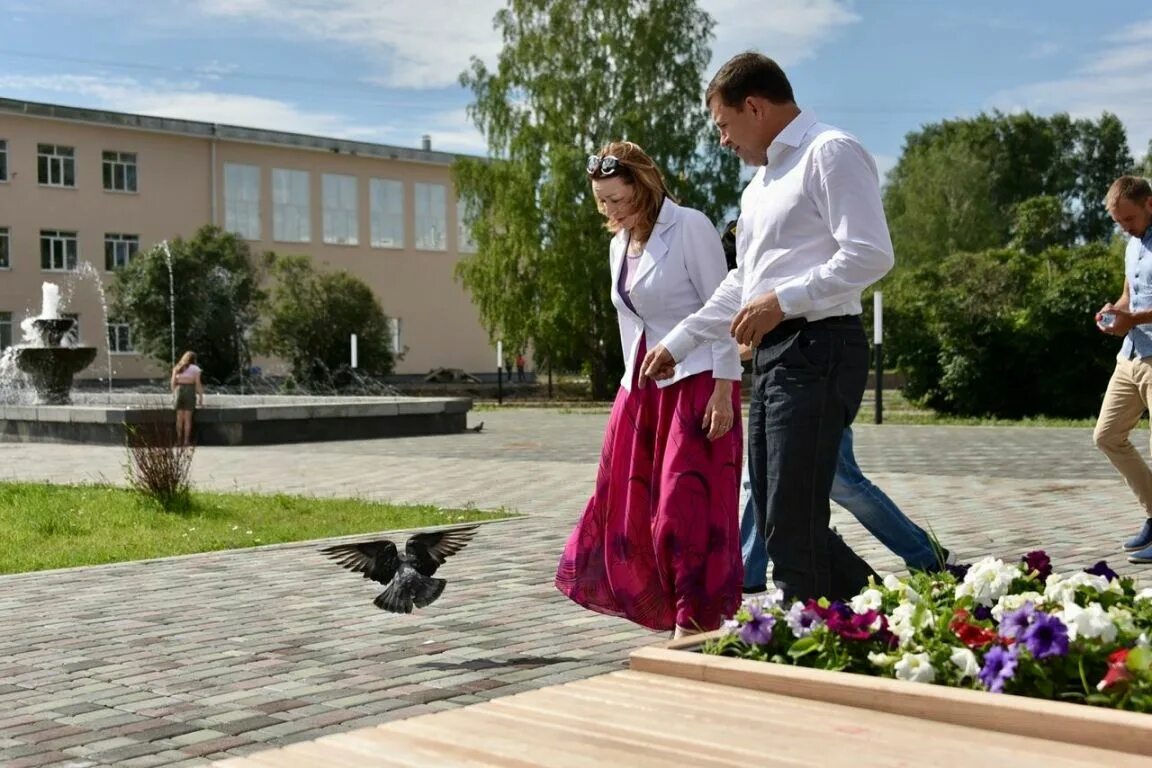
(237, 419)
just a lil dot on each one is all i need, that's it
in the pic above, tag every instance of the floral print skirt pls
(659, 542)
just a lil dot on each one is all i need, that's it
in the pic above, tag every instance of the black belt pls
(794, 324)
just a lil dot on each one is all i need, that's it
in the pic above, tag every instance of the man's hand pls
(757, 318)
(1124, 321)
(658, 364)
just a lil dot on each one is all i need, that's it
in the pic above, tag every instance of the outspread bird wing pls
(377, 560)
(427, 551)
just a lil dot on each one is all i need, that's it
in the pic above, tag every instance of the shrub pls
(158, 468)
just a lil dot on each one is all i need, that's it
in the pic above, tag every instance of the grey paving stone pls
(186, 660)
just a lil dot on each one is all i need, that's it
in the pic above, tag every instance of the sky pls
(387, 70)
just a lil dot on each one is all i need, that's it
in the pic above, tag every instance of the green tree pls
(309, 317)
(573, 75)
(958, 182)
(215, 289)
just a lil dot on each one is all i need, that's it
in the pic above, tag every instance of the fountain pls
(50, 357)
(47, 361)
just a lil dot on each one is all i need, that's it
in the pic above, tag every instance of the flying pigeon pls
(407, 575)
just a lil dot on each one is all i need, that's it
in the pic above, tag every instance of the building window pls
(242, 200)
(56, 165)
(119, 338)
(3, 160)
(291, 216)
(119, 250)
(340, 207)
(4, 248)
(57, 251)
(5, 330)
(464, 242)
(387, 203)
(431, 217)
(120, 171)
(394, 333)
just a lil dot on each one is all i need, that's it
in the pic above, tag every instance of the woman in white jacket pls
(658, 542)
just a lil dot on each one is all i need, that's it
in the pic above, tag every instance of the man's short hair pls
(749, 74)
(1133, 188)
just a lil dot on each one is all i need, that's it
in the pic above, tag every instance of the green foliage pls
(991, 333)
(216, 289)
(572, 76)
(958, 183)
(309, 317)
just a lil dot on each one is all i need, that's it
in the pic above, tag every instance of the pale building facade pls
(80, 185)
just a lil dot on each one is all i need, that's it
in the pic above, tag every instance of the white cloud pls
(787, 30)
(423, 47)
(1113, 79)
(417, 46)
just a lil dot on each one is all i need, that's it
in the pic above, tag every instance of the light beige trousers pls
(1128, 395)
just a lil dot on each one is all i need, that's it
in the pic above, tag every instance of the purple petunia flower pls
(1047, 636)
(999, 667)
(1038, 561)
(982, 613)
(1016, 623)
(1101, 569)
(758, 629)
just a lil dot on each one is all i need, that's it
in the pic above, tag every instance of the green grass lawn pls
(55, 526)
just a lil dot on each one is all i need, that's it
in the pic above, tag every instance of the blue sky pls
(385, 70)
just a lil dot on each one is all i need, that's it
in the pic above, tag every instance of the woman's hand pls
(718, 415)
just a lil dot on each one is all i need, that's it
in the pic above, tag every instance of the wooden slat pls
(642, 719)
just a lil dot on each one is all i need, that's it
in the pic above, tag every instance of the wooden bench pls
(638, 718)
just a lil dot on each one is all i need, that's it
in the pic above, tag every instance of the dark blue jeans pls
(809, 380)
(867, 503)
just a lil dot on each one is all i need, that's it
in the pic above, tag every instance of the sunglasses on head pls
(605, 166)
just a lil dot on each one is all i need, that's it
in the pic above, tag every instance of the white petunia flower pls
(966, 662)
(1089, 622)
(880, 659)
(868, 600)
(1062, 589)
(893, 583)
(916, 667)
(905, 619)
(987, 581)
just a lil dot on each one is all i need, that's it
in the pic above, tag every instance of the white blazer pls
(682, 263)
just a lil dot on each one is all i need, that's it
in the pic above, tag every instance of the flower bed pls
(1006, 628)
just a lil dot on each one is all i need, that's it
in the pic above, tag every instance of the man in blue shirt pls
(1129, 393)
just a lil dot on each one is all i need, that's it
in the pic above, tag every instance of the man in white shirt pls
(812, 236)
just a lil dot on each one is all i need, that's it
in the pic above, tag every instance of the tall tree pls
(213, 287)
(573, 75)
(958, 182)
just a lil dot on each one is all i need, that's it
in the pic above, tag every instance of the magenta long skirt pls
(659, 542)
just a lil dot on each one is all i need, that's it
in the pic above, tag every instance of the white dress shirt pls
(811, 227)
(681, 266)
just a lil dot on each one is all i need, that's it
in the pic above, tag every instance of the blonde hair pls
(636, 169)
(187, 359)
(1132, 188)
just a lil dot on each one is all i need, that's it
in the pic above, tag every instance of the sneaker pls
(1142, 557)
(1142, 540)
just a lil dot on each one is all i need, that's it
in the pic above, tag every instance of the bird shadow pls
(521, 662)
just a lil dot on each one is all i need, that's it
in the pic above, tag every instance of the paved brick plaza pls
(184, 660)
